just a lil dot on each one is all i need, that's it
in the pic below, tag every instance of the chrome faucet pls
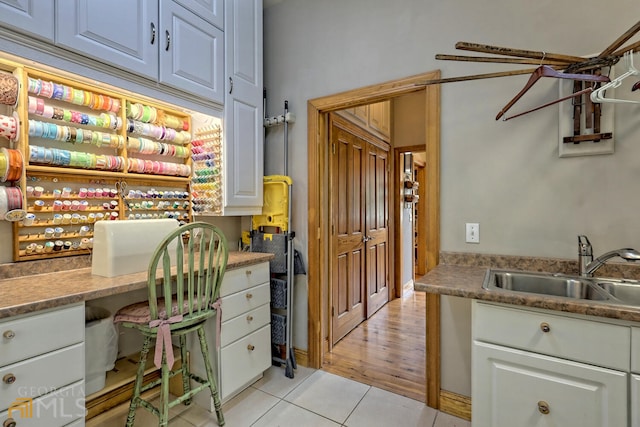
(587, 265)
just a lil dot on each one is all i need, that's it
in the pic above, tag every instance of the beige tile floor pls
(313, 398)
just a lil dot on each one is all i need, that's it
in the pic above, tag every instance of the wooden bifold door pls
(359, 214)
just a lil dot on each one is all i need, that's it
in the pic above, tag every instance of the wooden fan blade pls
(484, 48)
(621, 40)
(634, 47)
(477, 77)
(497, 60)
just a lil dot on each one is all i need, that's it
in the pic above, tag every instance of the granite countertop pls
(465, 280)
(25, 294)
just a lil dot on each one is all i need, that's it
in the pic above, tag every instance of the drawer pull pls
(249, 295)
(9, 379)
(9, 334)
(251, 347)
(249, 318)
(543, 407)
(544, 327)
(9, 422)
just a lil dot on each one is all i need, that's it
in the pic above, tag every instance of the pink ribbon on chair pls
(163, 339)
(217, 305)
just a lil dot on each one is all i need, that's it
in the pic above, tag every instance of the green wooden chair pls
(194, 291)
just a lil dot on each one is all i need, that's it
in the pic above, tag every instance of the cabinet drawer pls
(635, 350)
(244, 324)
(63, 407)
(244, 360)
(244, 277)
(39, 375)
(246, 300)
(585, 341)
(33, 335)
(510, 387)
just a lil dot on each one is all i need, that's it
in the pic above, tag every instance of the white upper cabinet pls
(191, 52)
(120, 32)
(243, 111)
(33, 17)
(209, 10)
(160, 40)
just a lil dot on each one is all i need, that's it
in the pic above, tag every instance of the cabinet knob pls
(9, 334)
(251, 347)
(248, 272)
(249, 318)
(9, 379)
(543, 407)
(544, 327)
(249, 295)
(9, 422)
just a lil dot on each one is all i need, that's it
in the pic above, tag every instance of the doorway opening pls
(319, 224)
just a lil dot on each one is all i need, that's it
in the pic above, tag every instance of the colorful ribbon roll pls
(9, 86)
(9, 126)
(11, 164)
(11, 204)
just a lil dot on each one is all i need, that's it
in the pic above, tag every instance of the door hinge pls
(333, 312)
(333, 147)
(333, 229)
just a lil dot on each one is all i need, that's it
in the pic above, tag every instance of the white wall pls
(505, 175)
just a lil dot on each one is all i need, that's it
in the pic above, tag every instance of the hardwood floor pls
(388, 350)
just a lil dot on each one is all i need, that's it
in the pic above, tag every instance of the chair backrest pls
(197, 282)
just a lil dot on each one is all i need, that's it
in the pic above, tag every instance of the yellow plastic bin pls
(275, 207)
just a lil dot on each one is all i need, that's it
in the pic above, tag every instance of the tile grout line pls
(359, 402)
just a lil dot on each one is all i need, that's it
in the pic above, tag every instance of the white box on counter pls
(126, 246)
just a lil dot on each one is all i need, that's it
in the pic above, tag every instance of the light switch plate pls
(472, 232)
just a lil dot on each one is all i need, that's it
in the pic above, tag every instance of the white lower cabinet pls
(245, 337)
(519, 388)
(42, 368)
(540, 368)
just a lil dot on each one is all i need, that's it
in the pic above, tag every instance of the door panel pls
(348, 174)
(377, 228)
(359, 214)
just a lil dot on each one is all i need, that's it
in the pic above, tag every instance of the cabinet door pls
(209, 10)
(191, 53)
(634, 401)
(123, 33)
(380, 117)
(512, 387)
(28, 16)
(243, 117)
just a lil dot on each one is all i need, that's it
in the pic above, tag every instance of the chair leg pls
(210, 376)
(164, 391)
(186, 380)
(135, 399)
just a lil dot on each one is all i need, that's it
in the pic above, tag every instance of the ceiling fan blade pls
(621, 40)
(484, 48)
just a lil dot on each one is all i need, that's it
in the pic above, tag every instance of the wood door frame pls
(318, 212)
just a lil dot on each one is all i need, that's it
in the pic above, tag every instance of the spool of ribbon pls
(13, 164)
(11, 204)
(9, 87)
(10, 126)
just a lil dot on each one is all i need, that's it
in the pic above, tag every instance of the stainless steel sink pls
(545, 284)
(625, 291)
